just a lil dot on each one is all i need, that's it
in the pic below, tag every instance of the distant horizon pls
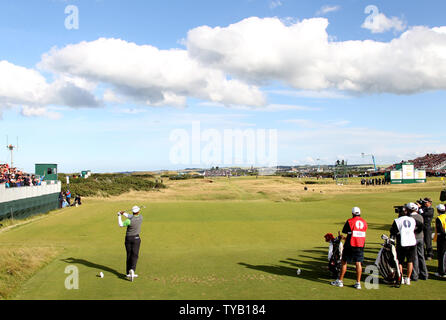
(106, 85)
(204, 167)
(221, 167)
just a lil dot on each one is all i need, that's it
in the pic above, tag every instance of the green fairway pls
(213, 249)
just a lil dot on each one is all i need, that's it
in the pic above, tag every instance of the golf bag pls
(334, 254)
(387, 262)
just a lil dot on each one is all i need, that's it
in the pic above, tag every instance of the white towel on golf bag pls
(330, 251)
(378, 259)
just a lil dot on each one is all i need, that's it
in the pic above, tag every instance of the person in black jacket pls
(60, 199)
(428, 215)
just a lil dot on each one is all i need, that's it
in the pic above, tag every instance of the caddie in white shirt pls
(404, 229)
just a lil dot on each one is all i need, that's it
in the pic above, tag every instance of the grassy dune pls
(18, 264)
(239, 238)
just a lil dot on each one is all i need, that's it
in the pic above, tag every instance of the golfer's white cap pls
(136, 209)
(441, 207)
(412, 206)
(356, 211)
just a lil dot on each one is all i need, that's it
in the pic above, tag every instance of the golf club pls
(130, 210)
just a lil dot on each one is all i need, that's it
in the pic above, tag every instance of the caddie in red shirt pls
(356, 229)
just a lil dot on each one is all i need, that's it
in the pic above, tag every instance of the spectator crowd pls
(428, 162)
(375, 182)
(14, 178)
(65, 200)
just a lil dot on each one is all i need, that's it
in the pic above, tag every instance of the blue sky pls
(110, 105)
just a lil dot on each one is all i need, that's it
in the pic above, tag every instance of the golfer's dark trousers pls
(419, 265)
(441, 249)
(132, 245)
(427, 230)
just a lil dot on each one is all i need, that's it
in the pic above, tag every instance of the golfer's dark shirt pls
(348, 231)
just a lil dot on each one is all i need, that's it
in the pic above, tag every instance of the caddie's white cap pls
(136, 209)
(356, 211)
(441, 207)
(412, 206)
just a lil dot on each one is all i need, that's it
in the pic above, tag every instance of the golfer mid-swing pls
(132, 239)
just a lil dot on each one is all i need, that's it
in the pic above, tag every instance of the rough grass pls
(277, 189)
(19, 263)
(106, 185)
(8, 224)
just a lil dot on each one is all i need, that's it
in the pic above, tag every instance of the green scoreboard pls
(49, 171)
(405, 173)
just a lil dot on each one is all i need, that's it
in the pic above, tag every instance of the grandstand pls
(430, 162)
(433, 164)
(23, 194)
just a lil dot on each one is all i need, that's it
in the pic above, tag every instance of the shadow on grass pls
(432, 268)
(382, 227)
(313, 264)
(94, 266)
(374, 226)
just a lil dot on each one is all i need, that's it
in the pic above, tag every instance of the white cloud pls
(311, 124)
(267, 108)
(327, 9)
(27, 88)
(380, 24)
(147, 75)
(275, 3)
(228, 66)
(129, 111)
(19, 85)
(301, 56)
(323, 94)
(40, 112)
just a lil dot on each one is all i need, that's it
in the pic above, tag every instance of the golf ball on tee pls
(298, 272)
(101, 274)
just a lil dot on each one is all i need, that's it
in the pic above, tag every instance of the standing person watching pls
(428, 216)
(132, 239)
(355, 229)
(68, 197)
(60, 199)
(440, 237)
(419, 264)
(403, 229)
